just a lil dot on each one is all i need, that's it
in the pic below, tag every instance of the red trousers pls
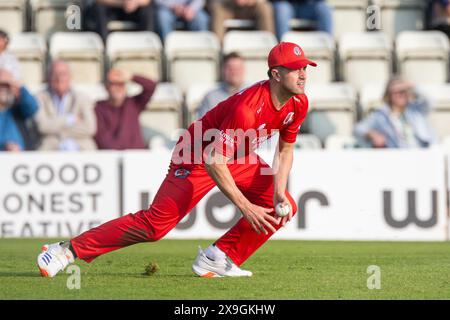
(175, 198)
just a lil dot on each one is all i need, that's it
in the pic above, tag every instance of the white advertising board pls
(57, 194)
(342, 195)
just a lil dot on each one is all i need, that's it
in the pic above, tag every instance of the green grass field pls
(282, 270)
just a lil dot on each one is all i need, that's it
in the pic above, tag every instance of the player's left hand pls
(281, 198)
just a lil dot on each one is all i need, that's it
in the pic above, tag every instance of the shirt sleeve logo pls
(289, 118)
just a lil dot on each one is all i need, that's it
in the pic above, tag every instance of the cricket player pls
(217, 149)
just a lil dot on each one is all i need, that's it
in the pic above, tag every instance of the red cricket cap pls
(288, 55)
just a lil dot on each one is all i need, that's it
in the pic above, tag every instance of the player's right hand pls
(259, 218)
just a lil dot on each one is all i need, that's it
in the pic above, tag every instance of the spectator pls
(259, 11)
(190, 12)
(233, 74)
(400, 123)
(440, 16)
(101, 12)
(118, 117)
(65, 119)
(17, 106)
(317, 10)
(7, 60)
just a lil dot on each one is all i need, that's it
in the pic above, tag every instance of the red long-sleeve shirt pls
(118, 127)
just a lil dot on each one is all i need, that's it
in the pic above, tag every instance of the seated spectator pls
(66, 118)
(317, 10)
(101, 12)
(233, 74)
(189, 12)
(8, 61)
(118, 117)
(440, 16)
(259, 11)
(400, 123)
(17, 106)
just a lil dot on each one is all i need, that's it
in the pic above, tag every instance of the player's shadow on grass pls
(165, 276)
(29, 274)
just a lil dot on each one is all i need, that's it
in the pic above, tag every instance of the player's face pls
(293, 81)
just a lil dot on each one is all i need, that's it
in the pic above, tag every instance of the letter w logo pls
(412, 215)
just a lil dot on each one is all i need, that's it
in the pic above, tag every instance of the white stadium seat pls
(319, 47)
(439, 116)
(12, 15)
(308, 141)
(194, 97)
(96, 92)
(332, 109)
(36, 88)
(164, 111)
(121, 25)
(348, 16)
(242, 24)
(30, 50)
(48, 16)
(138, 52)
(401, 15)
(371, 97)
(83, 51)
(446, 142)
(253, 46)
(339, 142)
(365, 58)
(192, 57)
(423, 56)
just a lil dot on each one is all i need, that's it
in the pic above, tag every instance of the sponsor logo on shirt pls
(259, 140)
(260, 108)
(182, 173)
(226, 138)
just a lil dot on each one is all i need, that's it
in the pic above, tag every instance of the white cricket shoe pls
(206, 267)
(53, 258)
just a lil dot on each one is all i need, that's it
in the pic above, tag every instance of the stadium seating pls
(48, 16)
(446, 142)
(308, 141)
(253, 46)
(365, 58)
(339, 142)
(423, 56)
(439, 98)
(30, 50)
(239, 24)
(401, 15)
(96, 92)
(348, 16)
(371, 98)
(332, 109)
(319, 47)
(83, 51)
(13, 15)
(164, 111)
(194, 97)
(121, 25)
(137, 52)
(192, 57)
